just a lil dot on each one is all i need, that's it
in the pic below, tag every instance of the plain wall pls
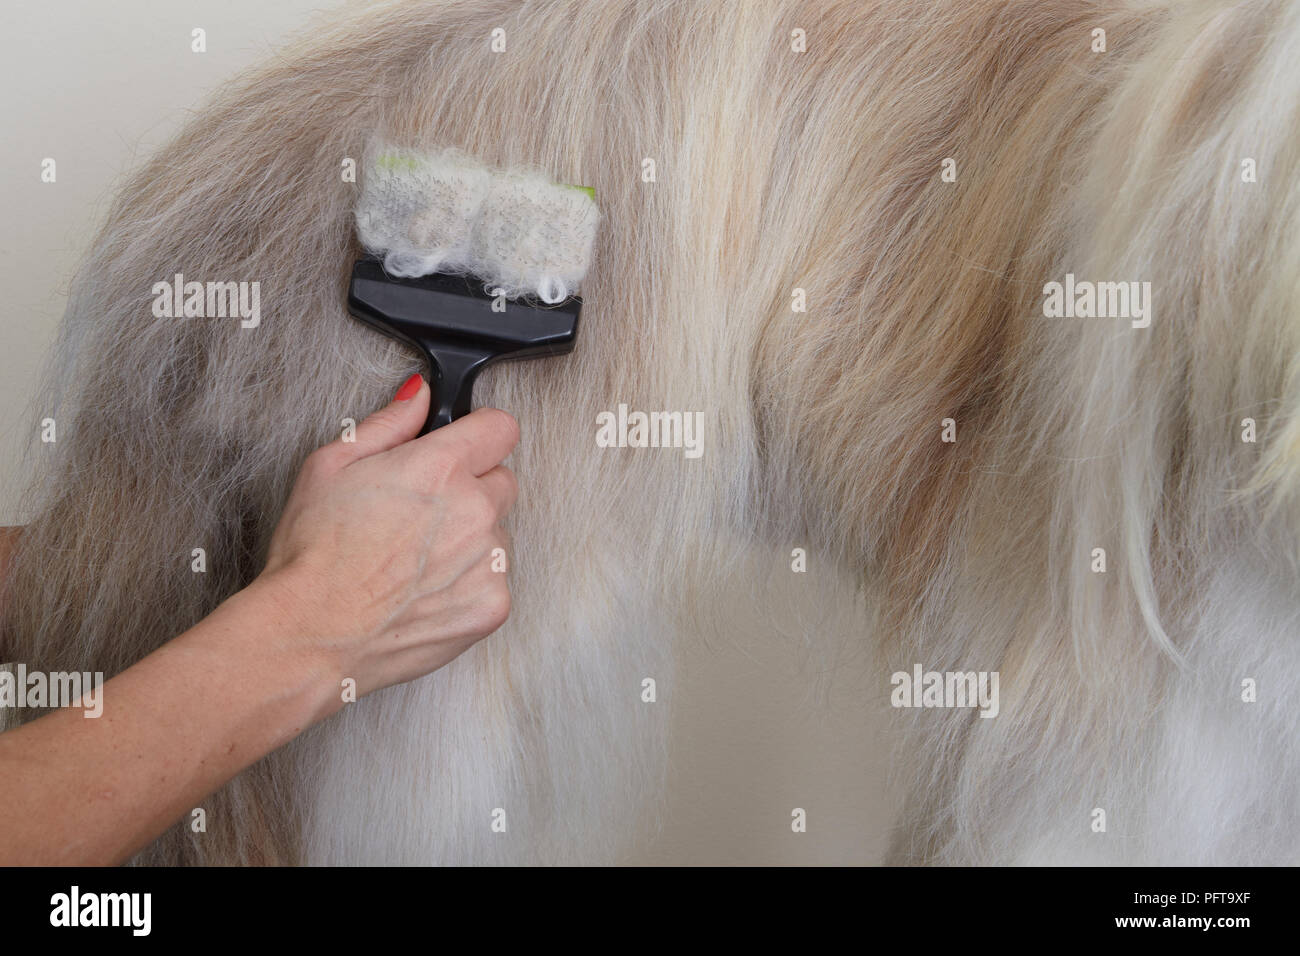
(757, 728)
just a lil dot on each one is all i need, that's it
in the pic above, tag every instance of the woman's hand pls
(384, 556)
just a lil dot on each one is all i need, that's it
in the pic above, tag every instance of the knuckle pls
(502, 423)
(385, 425)
(323, 460)
(439, 471)
(512, 483)
(481, 510)
(494, 608)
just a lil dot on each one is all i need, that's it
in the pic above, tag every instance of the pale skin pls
(381, 570)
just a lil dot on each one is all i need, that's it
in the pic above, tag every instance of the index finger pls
(481, 440)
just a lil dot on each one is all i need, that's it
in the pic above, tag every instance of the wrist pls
(278, 626)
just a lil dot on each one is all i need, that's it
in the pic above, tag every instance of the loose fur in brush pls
(445, 212)
(779, 175)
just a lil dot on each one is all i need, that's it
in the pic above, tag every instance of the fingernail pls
(409, 388)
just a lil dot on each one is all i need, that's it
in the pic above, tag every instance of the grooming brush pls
(470, 265)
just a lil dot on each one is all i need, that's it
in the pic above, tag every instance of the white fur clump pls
(419, 212)
(447, 212)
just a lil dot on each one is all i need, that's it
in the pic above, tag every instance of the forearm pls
(174, 728)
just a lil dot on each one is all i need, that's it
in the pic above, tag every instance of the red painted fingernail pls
(409, 388)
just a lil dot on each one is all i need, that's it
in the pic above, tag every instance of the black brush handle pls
(453, 370)
(459, 327)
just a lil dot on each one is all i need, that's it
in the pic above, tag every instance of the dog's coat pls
(748, 156)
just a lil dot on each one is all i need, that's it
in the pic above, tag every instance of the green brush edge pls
(391, 161)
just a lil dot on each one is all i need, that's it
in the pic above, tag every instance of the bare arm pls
(380, 570)
(174, 727)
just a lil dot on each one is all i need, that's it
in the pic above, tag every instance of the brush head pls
(514, 229)
(451, 244)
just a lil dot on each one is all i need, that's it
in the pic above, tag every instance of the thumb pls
(397, 422)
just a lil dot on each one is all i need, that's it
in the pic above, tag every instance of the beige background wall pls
(758, 728)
